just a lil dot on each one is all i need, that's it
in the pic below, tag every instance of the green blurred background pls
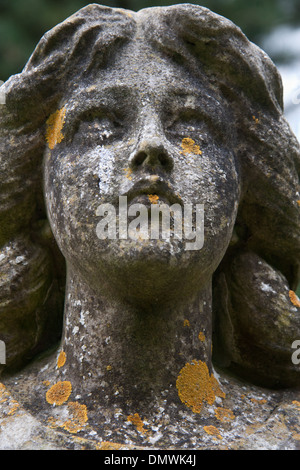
(272, 24)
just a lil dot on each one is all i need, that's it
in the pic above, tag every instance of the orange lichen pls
(128, 172)
(255, 119)
(188, 146)
(51, 422)
(297, 403)
(79, 417)
(6, 397)
(298, 202)
(59, 393)
(105, 445)
(224, 414)
(216, 387)
(294, 298)
(201, 336)
(257, 401)
(186, 323)
(213, 431)
(3, 393)
(137, 422)
(15, 406)
(54, 127)
(153, 198)
(108, 368)
(195, 386)
(61, 359)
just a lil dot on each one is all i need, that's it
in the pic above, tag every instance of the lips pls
(152, 190)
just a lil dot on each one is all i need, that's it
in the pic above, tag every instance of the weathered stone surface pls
(243, 417)
(166, 106)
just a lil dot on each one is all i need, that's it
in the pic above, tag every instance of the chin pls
(148, 273)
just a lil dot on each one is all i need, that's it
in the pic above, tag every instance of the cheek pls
(75, 186)
(102, 162)
(212, 179)
(71, 195)
(75, 181)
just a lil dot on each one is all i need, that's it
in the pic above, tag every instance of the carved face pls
(149, 129)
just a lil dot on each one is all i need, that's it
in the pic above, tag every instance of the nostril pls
(164, 160)
(140, 158)
(151, 154)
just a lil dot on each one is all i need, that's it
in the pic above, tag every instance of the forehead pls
(141, 72)
(139, 63)
(139, 81)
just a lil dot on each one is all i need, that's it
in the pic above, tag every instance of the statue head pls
(168, 105)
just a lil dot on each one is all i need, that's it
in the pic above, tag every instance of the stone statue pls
(140, 340)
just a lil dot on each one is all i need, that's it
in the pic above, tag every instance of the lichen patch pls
(78, 418)
(11, 404)
(212, 431)
(259, 401)
(201, 337)
(106, 445)
(61, 359)
(294, 298)
(74, 418)
(59, 393)
(224, 414)
(153, 198)
(128, 173)
(195, 386)
(137, 422)
(54, 126)
(3, 393)
(189, 146)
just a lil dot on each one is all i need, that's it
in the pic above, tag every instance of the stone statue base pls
(243, 417)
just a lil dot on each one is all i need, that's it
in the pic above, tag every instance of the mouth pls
(152, 190)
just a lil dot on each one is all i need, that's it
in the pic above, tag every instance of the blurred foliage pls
(23, 22)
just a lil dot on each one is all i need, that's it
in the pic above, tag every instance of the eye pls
(188, 123)
(97, 127)
(100, 128)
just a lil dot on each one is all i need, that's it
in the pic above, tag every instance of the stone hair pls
(267, 234)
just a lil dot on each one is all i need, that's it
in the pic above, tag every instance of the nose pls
(152, 153)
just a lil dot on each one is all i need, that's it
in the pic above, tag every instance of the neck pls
(118, 353)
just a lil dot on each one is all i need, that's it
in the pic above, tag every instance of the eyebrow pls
(114, 91)
(93, 100)
(208, 106)
(94, 94)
